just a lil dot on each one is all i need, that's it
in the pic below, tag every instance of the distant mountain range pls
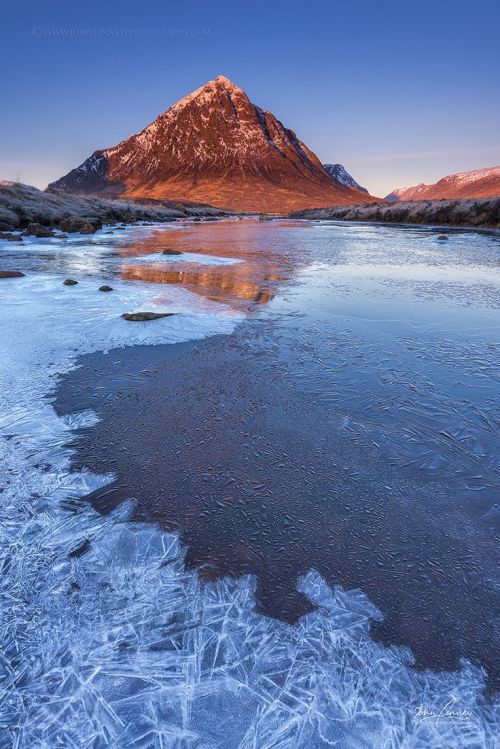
(215, 146)
(479, 183)
(340, 175)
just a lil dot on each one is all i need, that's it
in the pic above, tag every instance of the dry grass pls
(21, 205)
(483, 212)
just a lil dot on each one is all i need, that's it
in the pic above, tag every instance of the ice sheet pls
(120, 646)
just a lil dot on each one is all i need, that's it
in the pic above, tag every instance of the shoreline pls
(481, 213)
(23, 207)
(28, 210)
(441, 228)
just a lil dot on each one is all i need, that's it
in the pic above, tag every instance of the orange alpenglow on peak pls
(223, 79)
(214, 146)
(478, 183)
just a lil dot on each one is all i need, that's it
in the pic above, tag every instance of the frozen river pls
(291, 534)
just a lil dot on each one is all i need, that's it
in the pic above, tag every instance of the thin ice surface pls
(114, 643)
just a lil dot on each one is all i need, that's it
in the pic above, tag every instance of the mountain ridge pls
(477, 183)
(339, 174)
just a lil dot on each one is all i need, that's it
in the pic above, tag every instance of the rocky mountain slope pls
(480, 183)
(214, 146)
(340, 175)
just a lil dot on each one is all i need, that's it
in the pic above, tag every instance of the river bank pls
(22, 205)
(479, 213)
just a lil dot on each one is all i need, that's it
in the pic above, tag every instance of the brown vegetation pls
(475, 213)
(23, 205)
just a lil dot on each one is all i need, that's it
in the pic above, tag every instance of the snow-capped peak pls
(478, 183)
(340, 175)
(214, 145)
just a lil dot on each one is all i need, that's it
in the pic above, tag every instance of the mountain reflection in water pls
(251, 278)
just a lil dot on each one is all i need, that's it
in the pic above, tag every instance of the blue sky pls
(399, 92)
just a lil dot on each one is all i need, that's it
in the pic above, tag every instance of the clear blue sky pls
(399, 92)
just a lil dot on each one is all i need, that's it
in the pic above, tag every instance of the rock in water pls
(87, 229)
(170, 251)
(70, 282)
(81, 225)
(11, 274)
(105, 288)
(11, 237)
(141, 316)
(37, 230)
(443, 238)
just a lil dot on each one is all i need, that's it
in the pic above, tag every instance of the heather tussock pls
(21, 205)
(476, 213)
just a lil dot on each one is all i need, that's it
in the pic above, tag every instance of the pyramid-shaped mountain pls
(213, 146)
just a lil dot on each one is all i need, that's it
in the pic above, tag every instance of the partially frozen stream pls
(389, 340)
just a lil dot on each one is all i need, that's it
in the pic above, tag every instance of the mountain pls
(340, 175)
(480, 183)
(213, 146)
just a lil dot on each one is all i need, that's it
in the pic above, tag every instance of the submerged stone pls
(70, 282)
(141, 316)
(11, 237)
(11, 274)
(38, 230)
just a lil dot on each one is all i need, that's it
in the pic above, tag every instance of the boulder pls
(70, 282)
(11, 237)
(88, 228)
(105, 288)
(38, 230)
(8, 220)
(11, 274)
(73, 224)
(142, 316)
(171, 251)
(443, 238)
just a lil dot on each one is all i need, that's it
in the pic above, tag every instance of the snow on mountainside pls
(340, 175)
(479, 183)
(214, 146)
